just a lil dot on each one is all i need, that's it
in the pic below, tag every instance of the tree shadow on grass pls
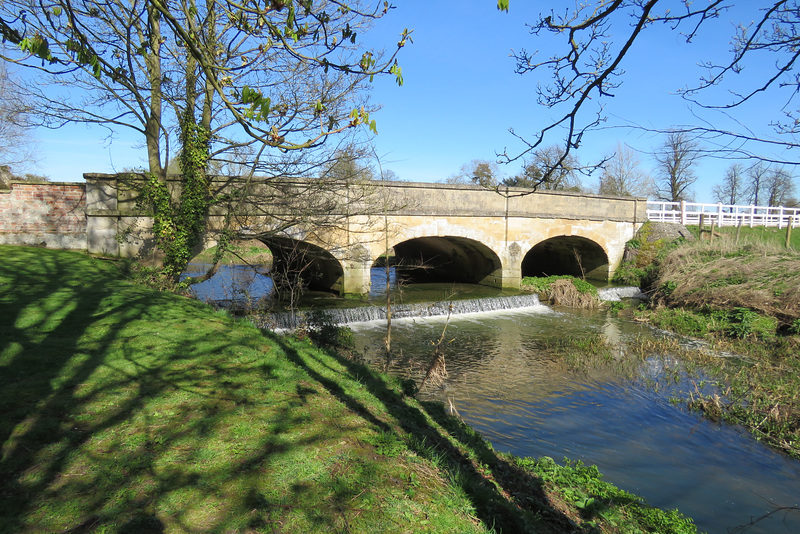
(506, 497)
(144, 412)
(128, 410)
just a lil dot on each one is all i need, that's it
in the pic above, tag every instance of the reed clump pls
(563, 290)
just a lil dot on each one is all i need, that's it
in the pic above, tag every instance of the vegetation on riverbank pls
(251, 252)
(125, 409)
(562, 290)
(742, 298)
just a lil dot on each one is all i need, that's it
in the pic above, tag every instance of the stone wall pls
(51, 214)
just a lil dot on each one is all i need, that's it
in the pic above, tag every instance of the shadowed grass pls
(127, 410)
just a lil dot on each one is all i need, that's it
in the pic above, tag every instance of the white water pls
(615, 294)
(365, 314)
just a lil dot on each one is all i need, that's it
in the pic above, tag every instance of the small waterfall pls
(374, 313)
(619, 293)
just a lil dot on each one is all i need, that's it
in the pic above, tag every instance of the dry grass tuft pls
(720, 275)
(564, 293)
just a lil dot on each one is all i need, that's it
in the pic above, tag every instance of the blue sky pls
(461, 96)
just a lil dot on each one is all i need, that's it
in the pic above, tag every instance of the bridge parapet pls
(477, 201)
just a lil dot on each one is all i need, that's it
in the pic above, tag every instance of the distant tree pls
(779, 187)
(478, 171)
(529, 177)
(550, 168)
(348, 164)
(7, 176)
(389, 175)
(756, 180)
(15, 126)
(675, 162)
(731, 190)
(622, 175)
(34, 178)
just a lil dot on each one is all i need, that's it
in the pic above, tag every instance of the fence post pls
(789, 234)
(752, 214)
(738, 230)
(780, 219)
(719, 215)
(683, 212)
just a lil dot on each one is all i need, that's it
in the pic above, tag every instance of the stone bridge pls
(432, 232)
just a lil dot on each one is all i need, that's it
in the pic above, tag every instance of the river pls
(529, 403)
(623, 419)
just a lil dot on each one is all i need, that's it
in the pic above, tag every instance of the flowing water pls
(529, 402)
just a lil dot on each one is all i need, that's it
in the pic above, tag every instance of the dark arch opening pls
(299, 262)
(572, 255)
(446, 259)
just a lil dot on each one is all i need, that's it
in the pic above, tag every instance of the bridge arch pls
(447, 258)
(567, 254)
(316, 268)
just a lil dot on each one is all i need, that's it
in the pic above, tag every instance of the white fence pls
(722, 214)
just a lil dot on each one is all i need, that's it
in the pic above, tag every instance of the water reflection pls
(531, 403)
(232, 283)
(244, 283)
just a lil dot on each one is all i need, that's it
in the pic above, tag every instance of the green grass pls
(123, 409)
(239, 253)
(756, 235)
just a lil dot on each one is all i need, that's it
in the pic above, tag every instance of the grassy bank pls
(743, 298)
(756, 236)
(251, 252)
(123, 409)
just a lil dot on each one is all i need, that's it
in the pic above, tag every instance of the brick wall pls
(51, 214)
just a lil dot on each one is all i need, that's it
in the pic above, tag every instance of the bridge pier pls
(511, 270)
(355, 278)
(356, 264)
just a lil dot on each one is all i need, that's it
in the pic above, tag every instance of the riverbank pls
(740, 294)
(130, 410)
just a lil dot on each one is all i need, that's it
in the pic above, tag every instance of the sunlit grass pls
(129, 410)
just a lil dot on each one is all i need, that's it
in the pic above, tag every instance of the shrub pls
(667, 288)
(682, 321)
(617, 306)
(563, 290)
(325, 333)
(630, 275)
(741, 322)
(538, 284)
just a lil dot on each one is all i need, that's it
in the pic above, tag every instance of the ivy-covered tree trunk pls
(179, 223)
(179, 218)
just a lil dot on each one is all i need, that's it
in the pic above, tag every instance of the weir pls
(363, 314)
